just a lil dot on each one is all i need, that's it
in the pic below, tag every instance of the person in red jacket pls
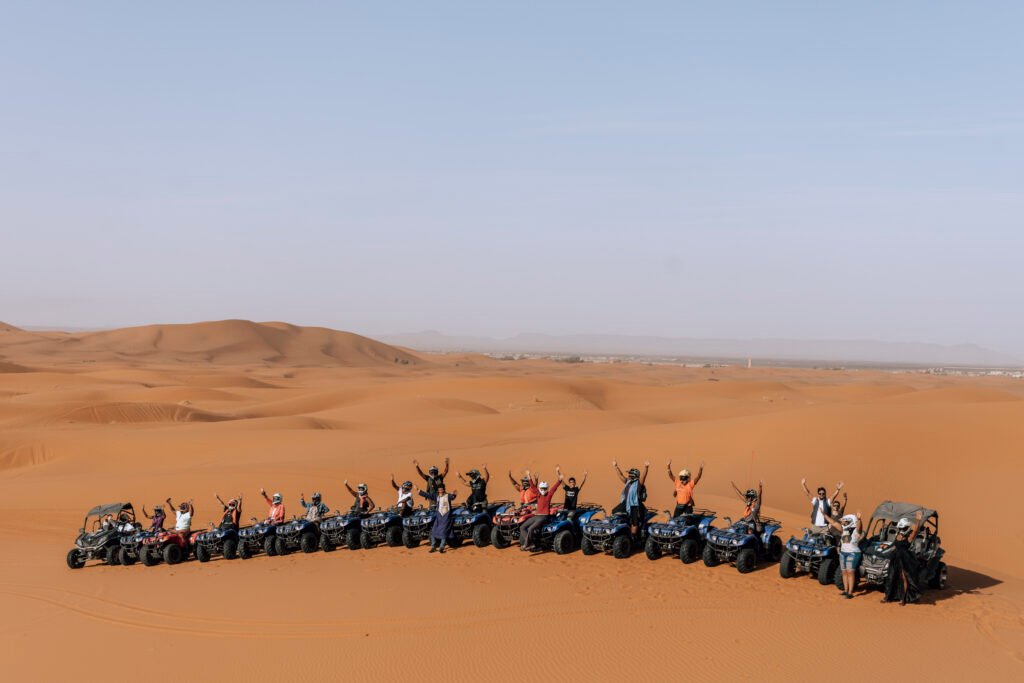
(544, 495)
(276, 513)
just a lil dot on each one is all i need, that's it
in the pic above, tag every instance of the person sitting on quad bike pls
(156, 520)
(821, 506)
(444, 519)
(752, 511)
(634, 493)
(276, 513)
(183, 517)
(363, 503)
(572, 494)
(527, 488)
(543, 514)
(232, 512)
(315, 510)
(477, 499)
(851, 530)
(684, 489)
(901, 584)
(433, 477)
(405, 501)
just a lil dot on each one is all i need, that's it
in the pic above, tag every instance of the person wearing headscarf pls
(444, 519)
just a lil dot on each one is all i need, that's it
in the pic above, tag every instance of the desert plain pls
(184, 411)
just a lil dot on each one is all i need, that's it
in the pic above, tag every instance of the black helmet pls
(406, 484)
(432, 470)
(634, 472)
(751, 493)
(525, 481)
(474, 473)
(316, 496)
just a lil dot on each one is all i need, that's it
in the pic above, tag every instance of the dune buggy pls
(741, 544)
(383, 526)
(611, 533)
(298, 534)
(877, 547)
(815, 553)
(682, 536)
(259, 536)
(171, 547)
(564, 530)
(471, 523)
(341, 530)
(101, 539)
(416, 527)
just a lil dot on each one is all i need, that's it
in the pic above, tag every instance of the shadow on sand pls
(961, 582)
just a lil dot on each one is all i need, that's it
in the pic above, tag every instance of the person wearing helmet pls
(684, 489)
(156, 520)
(182, 517)
(821, 506)
(363, 503)
(276, 512)
(232, 512)
(433, 477)
(526, 486)
(752, 500)
(315, 509)
(544, 495)
(572, 494)
(851, 530)
(443, 504)
(901, 584)
(477, 484)
(634, 494)
(405, 501)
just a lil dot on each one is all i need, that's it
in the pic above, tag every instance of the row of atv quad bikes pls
(588, 528)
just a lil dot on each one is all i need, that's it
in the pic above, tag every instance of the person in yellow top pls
(684, 489)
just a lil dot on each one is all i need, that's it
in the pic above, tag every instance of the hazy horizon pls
(793, 171)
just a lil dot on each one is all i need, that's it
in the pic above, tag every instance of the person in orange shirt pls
(276, 513)
(527, 488)
(684, 489)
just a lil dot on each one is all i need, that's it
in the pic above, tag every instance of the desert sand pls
(188, 410)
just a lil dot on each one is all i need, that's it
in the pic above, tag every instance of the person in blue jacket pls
(444, 505)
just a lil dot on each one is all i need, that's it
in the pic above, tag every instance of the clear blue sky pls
(718, 169)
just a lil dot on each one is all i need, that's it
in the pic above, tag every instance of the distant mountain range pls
(831, 351)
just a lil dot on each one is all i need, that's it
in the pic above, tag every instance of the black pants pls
(686, 509)
(528, 527)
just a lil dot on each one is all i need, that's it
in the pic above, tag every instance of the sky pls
(744, 169)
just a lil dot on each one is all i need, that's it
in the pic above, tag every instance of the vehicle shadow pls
(961, 582)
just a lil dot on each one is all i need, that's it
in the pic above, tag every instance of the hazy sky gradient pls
(725, 170)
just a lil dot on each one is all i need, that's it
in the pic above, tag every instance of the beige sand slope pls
(146, 413)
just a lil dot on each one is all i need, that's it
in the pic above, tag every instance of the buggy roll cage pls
(101, 511)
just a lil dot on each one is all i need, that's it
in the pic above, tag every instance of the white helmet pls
(276, 498)
(543, 486)
(684, 472)
(903, 525)
(849, 521)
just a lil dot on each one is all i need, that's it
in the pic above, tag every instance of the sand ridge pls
(228, 408)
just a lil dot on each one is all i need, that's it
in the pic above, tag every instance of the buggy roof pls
(891, 510)
(109, 509)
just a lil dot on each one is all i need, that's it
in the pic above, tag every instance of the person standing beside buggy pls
(634, 494)
(363, 503)
(477, 499)
(443, 503)
(433, 477)
(232, 512)
(405, 501)
(851, 530)
(316, 509)
(543, 511)
(901, 584)
(684, 489)
(821, 506)
(276, 512)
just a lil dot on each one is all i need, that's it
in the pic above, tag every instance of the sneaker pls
(433, 550)
(443, 549)
(847, 596)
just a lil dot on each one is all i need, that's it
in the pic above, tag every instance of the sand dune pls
(183, 411)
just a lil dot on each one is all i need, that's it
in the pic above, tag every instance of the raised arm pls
(920, 523)
(807, 491)
(354, 494)
(418, 470)
(533, 479)
(558, 473)
(738, 492)
(839, 487)
(643, 475)
(393, 484)
(446, 463)
(760, 491)
(263, 492)
(700, 473)
(222, 504)
(459, 475)
(513, 480)
(487, 475)
(622, 477)
(192, 508)
(580, 487)
(671, 477)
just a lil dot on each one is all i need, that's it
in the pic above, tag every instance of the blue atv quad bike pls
(298, 534)
(128, 553)
(742, 545)
(383, 526)
(814, 553)
(341, 530)
(681, 536)
(612, 534)
(564, 530)
(216, 541)
(474, 523)
(259, 536)
(416, 527)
